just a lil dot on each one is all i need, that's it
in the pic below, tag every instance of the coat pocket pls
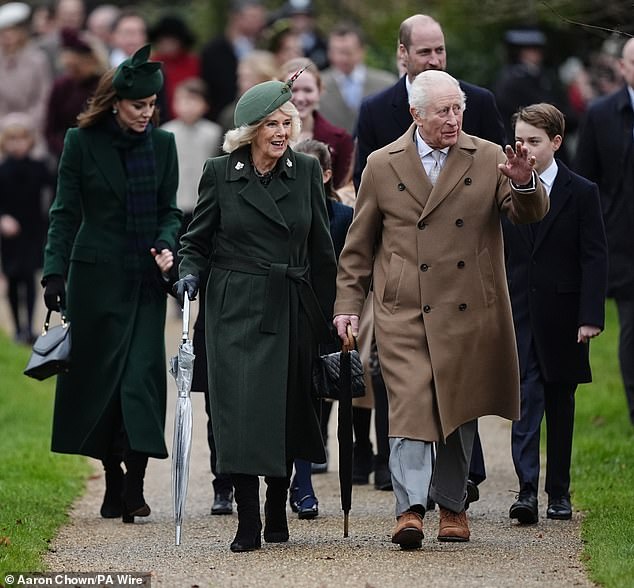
(487, 277)
(393, 281)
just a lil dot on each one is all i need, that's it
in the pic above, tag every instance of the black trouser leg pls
(246, 491)
(626, 350)
(221, 482)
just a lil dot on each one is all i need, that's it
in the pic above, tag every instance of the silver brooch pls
(239, 165)
(289, 163)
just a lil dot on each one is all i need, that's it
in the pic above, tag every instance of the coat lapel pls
(459, 160)
(107, 161)
(400, 105)
(252, 190)
(404, 159)
(559, 196)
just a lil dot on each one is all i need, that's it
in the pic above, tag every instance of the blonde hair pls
(244, 135)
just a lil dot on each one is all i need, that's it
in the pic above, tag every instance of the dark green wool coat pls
(268, 297)
(118, 352)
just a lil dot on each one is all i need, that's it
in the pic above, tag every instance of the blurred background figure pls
(129, 33)
(67, 15)
(172, 41)
(100, 22)
(301, 14)
(254, 68)
(307, 91)
(197, 139)
(348, 80)
(525, 80)
(219, 57)
(25, 74)
(84, 59)
(280, 39)
(23, 201)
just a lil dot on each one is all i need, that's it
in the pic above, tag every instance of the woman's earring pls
(114, 110)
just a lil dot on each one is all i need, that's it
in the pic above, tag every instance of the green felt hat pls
(263, 99)
(137, 77)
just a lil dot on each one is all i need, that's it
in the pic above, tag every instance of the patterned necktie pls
(435, 169)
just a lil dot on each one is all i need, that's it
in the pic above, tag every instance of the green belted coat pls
(269, 301)
(117, 330)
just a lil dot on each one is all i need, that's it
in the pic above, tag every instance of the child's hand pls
(587, 332)
(164, 259)
(9, 227)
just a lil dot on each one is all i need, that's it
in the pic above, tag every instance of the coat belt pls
(276, 296)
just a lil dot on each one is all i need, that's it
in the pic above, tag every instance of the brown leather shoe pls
(408, 532)
(453, 526)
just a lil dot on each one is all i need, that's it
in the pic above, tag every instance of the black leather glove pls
(54, 292)
(187, 284)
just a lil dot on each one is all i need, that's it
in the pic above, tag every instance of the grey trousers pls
(415, 476)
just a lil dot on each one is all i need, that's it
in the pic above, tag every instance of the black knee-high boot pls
(246, 491)
(275, 523)
(134, 504)
(112, 506)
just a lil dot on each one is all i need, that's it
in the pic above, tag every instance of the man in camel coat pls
(427, 236)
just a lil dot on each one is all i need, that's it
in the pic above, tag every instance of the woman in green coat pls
(113, 227)
(262, 226)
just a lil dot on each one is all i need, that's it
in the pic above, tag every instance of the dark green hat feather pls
(137, 77)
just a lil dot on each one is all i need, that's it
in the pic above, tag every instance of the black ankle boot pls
(112, 506)
(249, 534)
(275, 523)
(134, 504)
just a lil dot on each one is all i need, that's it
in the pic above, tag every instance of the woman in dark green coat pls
(113, 227)
(262, 226)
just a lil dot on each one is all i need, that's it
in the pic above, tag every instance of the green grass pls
(36, 486)
(603, 465)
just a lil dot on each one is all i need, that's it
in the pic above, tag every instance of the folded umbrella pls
(182, 368)
(344, 429)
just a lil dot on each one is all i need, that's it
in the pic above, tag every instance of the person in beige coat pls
(428, 240)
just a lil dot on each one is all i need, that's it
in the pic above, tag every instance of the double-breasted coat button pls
(467, 181)
(462, 307)
(424, 267)
(460, 264)
(426, 308)
(401, 187)
(459, 222)
(421, 225)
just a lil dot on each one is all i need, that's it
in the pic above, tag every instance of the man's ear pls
(414, 112)
(556, 142)
(327, 173)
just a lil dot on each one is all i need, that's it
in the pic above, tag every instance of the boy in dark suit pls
(557, 276)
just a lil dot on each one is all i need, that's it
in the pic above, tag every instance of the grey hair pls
(244, 135)
(423, 84)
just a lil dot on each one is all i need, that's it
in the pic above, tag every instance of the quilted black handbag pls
(326, 375)
(51, 350)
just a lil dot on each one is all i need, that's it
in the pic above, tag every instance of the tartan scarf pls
(137, 152)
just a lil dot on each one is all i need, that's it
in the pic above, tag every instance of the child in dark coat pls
(23, 184)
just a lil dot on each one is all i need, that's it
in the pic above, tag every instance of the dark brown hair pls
(321, 152)
(543, 116)
(102, 101)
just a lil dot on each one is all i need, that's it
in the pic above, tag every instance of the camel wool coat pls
(434, 256)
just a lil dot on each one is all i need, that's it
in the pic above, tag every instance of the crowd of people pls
(298, 192)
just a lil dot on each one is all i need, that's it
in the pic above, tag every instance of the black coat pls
(385, 116)
(605, 155)
(557, 275)
(22, 192)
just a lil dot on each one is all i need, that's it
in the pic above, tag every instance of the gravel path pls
(499, 554)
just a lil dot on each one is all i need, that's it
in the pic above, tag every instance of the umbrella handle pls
(185, 334)
(352, 342)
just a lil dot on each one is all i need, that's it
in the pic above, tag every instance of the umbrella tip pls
(178, 534)
(345, 524)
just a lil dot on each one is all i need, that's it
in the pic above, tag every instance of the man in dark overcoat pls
(605, 155)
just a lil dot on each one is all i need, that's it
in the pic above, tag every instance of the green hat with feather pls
(136, 77)
(263, 99)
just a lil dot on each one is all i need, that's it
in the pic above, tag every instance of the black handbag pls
(326, 375)
(51, 350)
